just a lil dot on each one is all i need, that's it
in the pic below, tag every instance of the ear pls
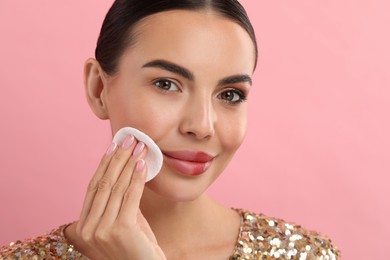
(94, 84)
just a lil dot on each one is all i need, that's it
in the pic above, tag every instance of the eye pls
(232, 96)
(166, 85)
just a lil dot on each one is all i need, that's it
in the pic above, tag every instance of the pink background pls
(317, 150)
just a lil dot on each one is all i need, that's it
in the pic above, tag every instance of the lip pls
(190, 163)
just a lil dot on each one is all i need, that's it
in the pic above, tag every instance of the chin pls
(175, 197)
(177, 188)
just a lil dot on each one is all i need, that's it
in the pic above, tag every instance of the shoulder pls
(263, 236)
(52, 245)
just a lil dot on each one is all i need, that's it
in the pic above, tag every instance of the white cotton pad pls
(154, 156)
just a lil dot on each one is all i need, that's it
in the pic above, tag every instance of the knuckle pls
(128, 194)
(137, 181)
(138, 178)
(135, 188)
(119, 156)
(85, 235)
(93, 184)
(117, 233)
(105, 160)
(104, 184)
(118, 188)
(101, 236)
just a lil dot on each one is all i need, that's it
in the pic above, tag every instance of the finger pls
(107, 181)
(93, 184)
(145, 227)
(133, 194)
(120, 187)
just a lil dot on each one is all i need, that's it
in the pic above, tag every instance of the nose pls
(198, 119)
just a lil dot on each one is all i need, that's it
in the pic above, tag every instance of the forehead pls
(194, 38)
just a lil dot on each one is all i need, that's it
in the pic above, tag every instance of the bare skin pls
(205, 112)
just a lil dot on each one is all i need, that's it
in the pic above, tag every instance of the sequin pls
(277, 239)
(45, 247)
(260, 238)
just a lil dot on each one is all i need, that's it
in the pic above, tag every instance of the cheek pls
(142, 111)
(231, 130)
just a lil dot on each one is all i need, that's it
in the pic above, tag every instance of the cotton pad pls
(154, 156)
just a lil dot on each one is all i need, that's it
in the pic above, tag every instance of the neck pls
(182, 223)
(162, 212)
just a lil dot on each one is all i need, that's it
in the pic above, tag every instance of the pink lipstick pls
(188, 162)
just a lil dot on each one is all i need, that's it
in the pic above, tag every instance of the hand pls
(111, 225)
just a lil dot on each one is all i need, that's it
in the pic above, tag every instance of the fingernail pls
(127, 142)
(112, 148)
(140, 165)
(138, 149)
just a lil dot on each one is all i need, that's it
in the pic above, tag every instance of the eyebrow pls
(177, 69)
(172, 67)
(243, 78)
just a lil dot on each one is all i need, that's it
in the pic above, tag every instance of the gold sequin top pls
(260, 238)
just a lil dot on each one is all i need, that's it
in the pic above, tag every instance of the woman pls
(180, 71)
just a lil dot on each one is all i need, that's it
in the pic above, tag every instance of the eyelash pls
(242, 97)
(171, 82)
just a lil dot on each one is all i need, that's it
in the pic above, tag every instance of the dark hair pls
(116, 32)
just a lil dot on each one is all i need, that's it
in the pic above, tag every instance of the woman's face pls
(184, 82)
